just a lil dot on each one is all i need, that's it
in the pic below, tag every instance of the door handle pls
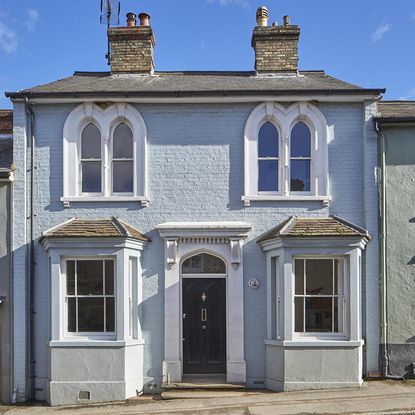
(204, 314)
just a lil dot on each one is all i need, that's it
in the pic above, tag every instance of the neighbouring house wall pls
(195, 173)
(5, 292)
(400, 248)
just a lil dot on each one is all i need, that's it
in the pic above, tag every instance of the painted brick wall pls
(195, 159)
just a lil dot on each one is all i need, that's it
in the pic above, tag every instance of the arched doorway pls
(204, 314)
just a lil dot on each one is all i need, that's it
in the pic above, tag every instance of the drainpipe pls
(32, 256)
(383, 273)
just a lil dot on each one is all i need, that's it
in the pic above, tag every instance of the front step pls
(200, 394)
(202, 387)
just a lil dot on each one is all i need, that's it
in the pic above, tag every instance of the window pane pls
(123, 142)
(71, 315)
(91, 142)
(109, 277)
(90, 314)
(300, 175)
(299, 276)
(268, 141)
(122, 176)
(300, 141)
(336, 315)
(318, 314)
(319, 274)
(91, 176)
(110, 314)
(299, 314)
(70, 277)
(203, 264)
(268, 175)
(89, 274)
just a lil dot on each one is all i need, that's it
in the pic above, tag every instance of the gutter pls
(195, 93)
(32, 312)
(383, 271)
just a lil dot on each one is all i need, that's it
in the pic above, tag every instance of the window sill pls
(95, 343)
(325, 200)
(315, 343)
(76, 199)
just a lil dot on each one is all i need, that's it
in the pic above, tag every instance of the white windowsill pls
(95, 343)
(291, 198)
(315, 343)
(74, 199)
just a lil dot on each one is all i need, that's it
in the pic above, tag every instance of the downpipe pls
(383, 275)
(32, 312)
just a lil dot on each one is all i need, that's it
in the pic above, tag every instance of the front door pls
(204, 325)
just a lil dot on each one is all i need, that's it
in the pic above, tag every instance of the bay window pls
(90, 296)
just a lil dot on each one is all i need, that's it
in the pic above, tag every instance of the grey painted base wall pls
(401, 359)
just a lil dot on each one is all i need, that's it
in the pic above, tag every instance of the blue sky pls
(367, 42)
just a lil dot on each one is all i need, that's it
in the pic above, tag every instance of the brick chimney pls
(132, 47)
(276, 47)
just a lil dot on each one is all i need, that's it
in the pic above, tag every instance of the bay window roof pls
(331, 226)
(95, 228)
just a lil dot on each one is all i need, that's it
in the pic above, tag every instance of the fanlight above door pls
(203, 264)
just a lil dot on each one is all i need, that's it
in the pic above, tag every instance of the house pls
(194, 223)
(396, 126)
(6, 179)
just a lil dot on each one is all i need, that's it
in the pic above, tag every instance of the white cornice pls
(215, 99)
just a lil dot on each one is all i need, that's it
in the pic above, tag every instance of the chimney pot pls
(262, 16)
(287, 20)
(131, 19)
(144, 19)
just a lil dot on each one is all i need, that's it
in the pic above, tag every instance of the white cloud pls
(8, 39)
(410, 95)
(380, 31)
(32, 19)
(242, 3)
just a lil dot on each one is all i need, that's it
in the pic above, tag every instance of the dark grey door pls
(204, 325)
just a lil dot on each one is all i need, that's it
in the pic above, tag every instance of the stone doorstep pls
(201, 394)
(190, 386)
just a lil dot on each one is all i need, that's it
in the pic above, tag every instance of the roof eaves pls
(361, 231)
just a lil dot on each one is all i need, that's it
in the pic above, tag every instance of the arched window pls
(203, 264)
(300, 158)
(104, 154)
(91, 160)
(268, 158)
(122, 160)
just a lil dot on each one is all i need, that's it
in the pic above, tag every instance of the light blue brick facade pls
(195, 173)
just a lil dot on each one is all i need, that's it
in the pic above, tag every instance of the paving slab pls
(372, 398)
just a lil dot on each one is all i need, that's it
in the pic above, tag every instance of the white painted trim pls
(102, 199)
(105, 120)
(343, 98)
(204, 241)
(95, 343)
(284, 119)
(315, 343)
(293, 198)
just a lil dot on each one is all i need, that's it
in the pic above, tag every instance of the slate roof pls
(6, 121)
(179, 84)
(95, 228)
(396, 111)
(332, 226)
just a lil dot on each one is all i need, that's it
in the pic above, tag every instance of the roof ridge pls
(120, 226)
(351, 226)
(288, 225)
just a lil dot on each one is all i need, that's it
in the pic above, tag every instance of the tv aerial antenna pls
(110, 15)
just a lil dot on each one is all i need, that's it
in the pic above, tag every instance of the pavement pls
(380, 397)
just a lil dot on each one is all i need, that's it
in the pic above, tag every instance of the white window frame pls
(112, 159)
(105, 120)
(88, 335)
(346, 281)
(279, 158)
(311, 158)
(285, 119)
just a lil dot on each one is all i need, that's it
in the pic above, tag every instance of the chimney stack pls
(132, 47)
(276, 47)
